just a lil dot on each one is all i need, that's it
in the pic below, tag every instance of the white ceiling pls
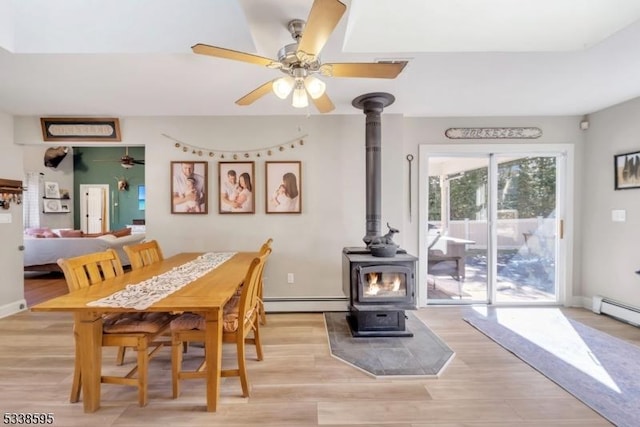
(466, 57)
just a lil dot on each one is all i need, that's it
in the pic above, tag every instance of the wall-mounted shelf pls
(11, 186)
(10, 192)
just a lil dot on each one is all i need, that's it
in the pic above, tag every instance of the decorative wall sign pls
(80, 129)
(493, 133)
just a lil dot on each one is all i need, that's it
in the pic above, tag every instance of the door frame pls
(565, 185)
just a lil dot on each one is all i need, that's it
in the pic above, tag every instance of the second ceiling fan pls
(299, 61)
(126, 161)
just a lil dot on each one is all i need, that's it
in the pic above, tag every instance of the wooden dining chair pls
(137, 330)
(262, 313)
(144, 253)
(239, 320)
(140, 255)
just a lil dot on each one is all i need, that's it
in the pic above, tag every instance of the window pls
(141, 197)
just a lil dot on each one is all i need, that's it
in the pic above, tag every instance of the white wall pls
(333, 163)
(333, 183)
(610, 249)
(11, 260)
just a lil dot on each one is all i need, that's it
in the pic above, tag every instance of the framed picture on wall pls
(52, 206)
(627, 170)
(236, 187)
(283, 187)
(189, 193)
(51, 190)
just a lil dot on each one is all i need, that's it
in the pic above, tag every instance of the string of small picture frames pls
(237, 154)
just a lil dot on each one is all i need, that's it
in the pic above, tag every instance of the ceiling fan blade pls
(322, 20)
(378, 70)
(138, 162)
(323, 103)
(220, 52)
(255, 94)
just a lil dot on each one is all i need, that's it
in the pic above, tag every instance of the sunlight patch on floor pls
(549, 329)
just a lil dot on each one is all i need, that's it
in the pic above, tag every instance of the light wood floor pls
(298, 383)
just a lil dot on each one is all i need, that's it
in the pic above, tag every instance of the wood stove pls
(379, 290)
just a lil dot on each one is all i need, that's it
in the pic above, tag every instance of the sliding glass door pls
(526, 228)
(457, 228)
(492, 226)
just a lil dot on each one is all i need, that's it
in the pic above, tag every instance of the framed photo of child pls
(236, 185)
(189, 193)
(283, 187)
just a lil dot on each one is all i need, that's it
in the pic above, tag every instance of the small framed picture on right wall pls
(627, 170)
(284, 187)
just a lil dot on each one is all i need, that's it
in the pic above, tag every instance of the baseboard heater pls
(625, 312)
(302, 304)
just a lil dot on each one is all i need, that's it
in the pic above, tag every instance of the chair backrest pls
(86, 270)
(264, 254)
(250, 287)
(266, 245)
(144, 253)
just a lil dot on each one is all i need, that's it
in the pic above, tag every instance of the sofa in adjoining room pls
(43, 247)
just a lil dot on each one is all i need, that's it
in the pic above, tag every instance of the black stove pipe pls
(372, 104)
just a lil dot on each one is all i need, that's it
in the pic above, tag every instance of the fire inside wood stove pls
(385, 285)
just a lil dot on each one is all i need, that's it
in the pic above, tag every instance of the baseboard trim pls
(293, 305)
(13, 308)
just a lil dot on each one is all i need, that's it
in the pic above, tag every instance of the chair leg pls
(256, 338)
(77, 376)
(176, 365)
(262, 313)
(242, 366)
(120, 358)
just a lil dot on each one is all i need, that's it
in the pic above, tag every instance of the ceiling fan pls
(301, 60)
(126, 161)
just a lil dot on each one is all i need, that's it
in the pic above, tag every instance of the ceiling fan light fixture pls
(127, 165)
(315, 86)
(299, 99)
(283, 86)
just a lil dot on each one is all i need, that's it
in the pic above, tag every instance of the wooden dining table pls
(206, 295)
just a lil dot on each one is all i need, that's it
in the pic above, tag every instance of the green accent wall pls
(101, 165)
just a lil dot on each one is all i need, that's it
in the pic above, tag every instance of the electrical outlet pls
(290, 278)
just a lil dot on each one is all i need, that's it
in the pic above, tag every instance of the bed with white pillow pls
(41, 254)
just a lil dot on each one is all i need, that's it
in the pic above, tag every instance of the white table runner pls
(144, 294)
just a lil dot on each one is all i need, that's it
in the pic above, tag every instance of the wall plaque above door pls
(494, 133)
(80, 129)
